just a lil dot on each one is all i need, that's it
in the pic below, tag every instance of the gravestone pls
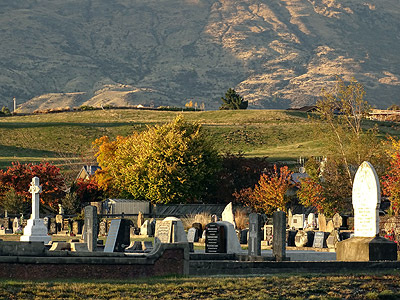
(152, 228)
(144, 229)
(199, 227)
(279, 241)
(254, 243)
(90, 233)
(103, 228)
(170, 230)
(291, 238)
(216, 240)
(321, 222)
(46, 222)
(337, 221)
(15, 225)
(298, 221)
(332, 239)
(268, 233)
(164, 231)
(53, 227)
(366, 245)
(330, 227)
(320, 239)
(311, 222)
(118, 237)
(243, 236)
(214, 218)
(192, 235)
(140, 219)
(59, 222)
(290, 218)
(35, 231)
(227, 214)
(66, 225)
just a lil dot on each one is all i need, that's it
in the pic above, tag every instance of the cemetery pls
(166, 246)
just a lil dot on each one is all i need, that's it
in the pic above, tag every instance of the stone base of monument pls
(35, 231)
(366, 249)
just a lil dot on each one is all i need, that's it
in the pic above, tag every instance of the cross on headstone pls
(35, 189)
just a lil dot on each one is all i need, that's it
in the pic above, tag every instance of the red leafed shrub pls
(19, 176)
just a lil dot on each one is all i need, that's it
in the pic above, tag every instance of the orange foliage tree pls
(391, 183)
(19, 176)
(270, 193)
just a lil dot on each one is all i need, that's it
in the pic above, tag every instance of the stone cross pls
(35, 189)
(366, 201)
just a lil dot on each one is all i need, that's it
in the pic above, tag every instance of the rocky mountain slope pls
(276, 53)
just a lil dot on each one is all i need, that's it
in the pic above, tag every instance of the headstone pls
(66, 225)
(321, 222)
(254, 243)
(243, 236)
(118, 237)
(90, 234)
(279, 241)
(199, 227)
(193, 235)
(60, 209)
(366, 200)
(46, 222)
(53, 227)
(35, 229)
(140, 219)
(103, 228)
(15, 225)
(291, 238)
(268, 233)
(59, 222)
(170, 230)
(216, 240)
(164, 231)
(332, 239)
(319, 239)
(227, 214)
(298, 221)
(366, 245)
(329, 226)
(290, 218)
(152, 228)
(144, 229)
(311, 222)
(337, 221)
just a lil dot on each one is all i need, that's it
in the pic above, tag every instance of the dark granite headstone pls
(199, 228)
(90, 234)
(279, 242)
(254, 243)
(291, 236)
(216, 238)
(243, 236)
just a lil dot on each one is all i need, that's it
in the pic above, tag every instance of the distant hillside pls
(125, 52)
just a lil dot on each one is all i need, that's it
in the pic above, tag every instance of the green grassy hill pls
(66, 138)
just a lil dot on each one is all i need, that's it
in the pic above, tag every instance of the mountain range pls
(275, 53)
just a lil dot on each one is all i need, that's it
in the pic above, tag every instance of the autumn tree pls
(17, 178)
(175, 162)
(271, 192)
(233, 100)
(391, 180)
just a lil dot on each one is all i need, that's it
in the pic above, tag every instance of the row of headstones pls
(299, 221)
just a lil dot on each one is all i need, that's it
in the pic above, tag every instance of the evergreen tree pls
(233, 100)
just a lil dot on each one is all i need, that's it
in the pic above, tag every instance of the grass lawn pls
(381, 285)
(66, 138)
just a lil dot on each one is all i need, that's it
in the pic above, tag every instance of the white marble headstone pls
(366, 201)
(227, 214)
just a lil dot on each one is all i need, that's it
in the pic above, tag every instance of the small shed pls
(125, 206)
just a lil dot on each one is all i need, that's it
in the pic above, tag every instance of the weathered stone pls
(279, 241)
(254, 242)
(330, 227)
(228, 216)
(337, 221)
(140, 219)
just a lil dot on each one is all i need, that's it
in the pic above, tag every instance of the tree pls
(325, 188)
(233, 100)
(391, 183)
(270, 193)
(19, 176)
(175, 162)
(348, 141)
